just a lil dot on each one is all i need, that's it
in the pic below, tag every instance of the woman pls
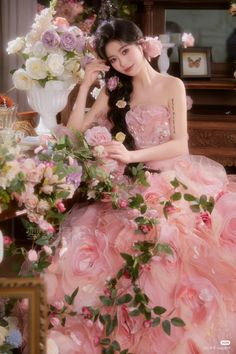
(196, 281)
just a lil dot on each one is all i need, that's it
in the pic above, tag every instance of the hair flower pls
(120, 136)
(121, 103)
(112, 83)
(152, 47)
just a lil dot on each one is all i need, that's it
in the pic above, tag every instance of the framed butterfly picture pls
(195, 62)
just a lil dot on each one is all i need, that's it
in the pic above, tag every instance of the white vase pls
(163, 60)
(48, 101)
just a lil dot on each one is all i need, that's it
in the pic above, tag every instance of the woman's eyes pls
(125, 51)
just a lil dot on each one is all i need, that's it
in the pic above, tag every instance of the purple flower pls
(86, 60)
(14, 338)
(68, 41)
(75, 178)
(50, 39)
(80, 45)
(112, 83)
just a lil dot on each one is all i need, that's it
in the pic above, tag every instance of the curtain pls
(16, 18)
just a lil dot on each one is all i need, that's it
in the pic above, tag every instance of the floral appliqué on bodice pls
(149, 125)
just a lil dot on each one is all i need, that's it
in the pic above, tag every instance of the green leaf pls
(125, 351)
(156, 321)
(166, 327)
(177, 322)
(175, 183)
(164, 247)
(189, 197)
(67, 299)
(111, 325)
(128, 258)
(203, 199)
(73, 295)
(158, 310)
(176, 196)
(134, 313)
(115, 345)
(195, 208)
(124, 299)
(107, 301)
(105, 341)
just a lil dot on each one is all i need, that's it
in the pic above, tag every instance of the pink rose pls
(55, 322)
(7, 241)
(189, 102)
(97, 136)
(60, 206)
(152, 47)
(226, 206)
(86, 258)
(188, 40)
(47, 250)
(61, 22)
(32, 256)
(123, 203)
(59, 304)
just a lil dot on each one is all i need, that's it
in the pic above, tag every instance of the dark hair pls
(124, 31)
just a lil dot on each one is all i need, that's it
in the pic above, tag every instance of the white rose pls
(39, 50)
(16, 45)
(52, 348)
(55, 64)
(21, 80)
(36, 68)
(76, 31)
(3, 334)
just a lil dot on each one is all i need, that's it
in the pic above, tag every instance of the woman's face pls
(125, 58)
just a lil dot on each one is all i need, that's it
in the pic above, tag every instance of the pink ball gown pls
(196, 283)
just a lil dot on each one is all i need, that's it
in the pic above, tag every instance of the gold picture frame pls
(32, 289)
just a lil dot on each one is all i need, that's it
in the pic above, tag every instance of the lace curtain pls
(16, 18)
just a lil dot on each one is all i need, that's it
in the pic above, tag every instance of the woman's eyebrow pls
(120, 49)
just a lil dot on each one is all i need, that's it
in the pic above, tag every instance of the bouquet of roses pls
(52, 50)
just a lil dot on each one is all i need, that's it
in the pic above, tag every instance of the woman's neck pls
(145, 77)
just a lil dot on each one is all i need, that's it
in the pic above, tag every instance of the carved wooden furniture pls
(212, 120)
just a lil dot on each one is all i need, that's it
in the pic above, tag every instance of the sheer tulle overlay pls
(197, 282)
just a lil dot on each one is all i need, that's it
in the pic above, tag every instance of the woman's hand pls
(92, 70)
(116, 150)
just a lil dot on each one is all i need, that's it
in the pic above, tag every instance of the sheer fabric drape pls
(16, 18)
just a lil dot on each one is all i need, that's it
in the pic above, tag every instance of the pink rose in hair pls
(152, 47)
(97, 136)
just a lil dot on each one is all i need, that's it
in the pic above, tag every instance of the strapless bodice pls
(149, 125)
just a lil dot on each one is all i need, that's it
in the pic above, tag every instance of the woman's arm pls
(179, 138)
(78, 118)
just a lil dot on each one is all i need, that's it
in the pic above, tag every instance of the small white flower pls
(39, 50)
(76, 31)
(16, 45)
(36, 68)
(95, 92)
(21, 80)
(55, 64)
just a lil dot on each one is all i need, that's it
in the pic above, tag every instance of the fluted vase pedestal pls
(48, 101)
(163, 60)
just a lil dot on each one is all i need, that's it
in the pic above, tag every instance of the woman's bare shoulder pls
(171, 82)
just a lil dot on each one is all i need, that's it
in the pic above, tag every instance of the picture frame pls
(33, 290)
(195, 62)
